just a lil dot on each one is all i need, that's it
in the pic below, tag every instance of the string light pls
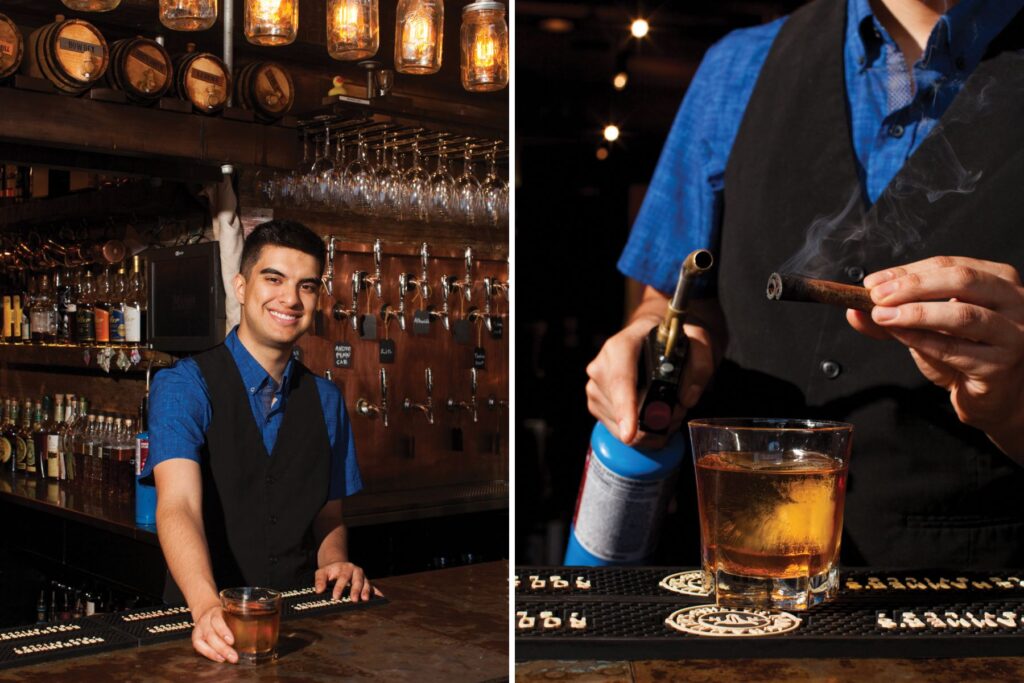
(611, 132)
(620, 80)
(639, 28)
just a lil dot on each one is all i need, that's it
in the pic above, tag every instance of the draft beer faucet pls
(471, 405)
(371, 411)
(428, 406)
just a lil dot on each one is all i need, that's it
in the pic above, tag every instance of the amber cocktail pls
(770, 494)
(254, 617)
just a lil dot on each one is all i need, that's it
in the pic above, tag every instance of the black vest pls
(258, 510)
(925, 490)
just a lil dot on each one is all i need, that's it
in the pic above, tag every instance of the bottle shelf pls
(84, 357)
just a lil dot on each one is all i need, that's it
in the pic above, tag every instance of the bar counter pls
(446, 625)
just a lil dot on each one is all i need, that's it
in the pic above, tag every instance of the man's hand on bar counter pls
(963, 321)
(611, 391)
(344, 573)
(211, 636)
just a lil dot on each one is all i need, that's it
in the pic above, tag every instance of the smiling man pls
(252, 453)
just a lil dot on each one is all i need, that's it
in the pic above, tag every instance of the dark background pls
(574, 211)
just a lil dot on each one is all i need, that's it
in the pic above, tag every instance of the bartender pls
(874, 142)
(252, 453)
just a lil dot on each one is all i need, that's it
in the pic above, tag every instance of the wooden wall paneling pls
(117, 392)
(410, 453)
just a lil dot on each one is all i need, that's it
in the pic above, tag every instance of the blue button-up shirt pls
(892, 109)
(180, 413)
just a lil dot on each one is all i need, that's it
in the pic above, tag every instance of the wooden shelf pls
(89, 134)
(67, 356)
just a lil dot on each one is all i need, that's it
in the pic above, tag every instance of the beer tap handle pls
(406, 283)
(430, 383)
(467, 288)
(472, 396)
(384, 396)
(357, 286)
(424, 283)
(329, 279)
(446, 291)
(377, 260)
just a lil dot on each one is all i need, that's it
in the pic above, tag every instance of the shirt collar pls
(253, 375)
(961, 35)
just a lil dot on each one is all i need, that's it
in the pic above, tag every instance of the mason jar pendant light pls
(91, 5)
(419, 33)
(271, 22)
(353, 29)
(484, 41)
(188, 15)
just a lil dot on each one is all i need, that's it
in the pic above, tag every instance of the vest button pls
(272, 559)
(270, 480)
(855, 273)
(830, 368)
(273, 519)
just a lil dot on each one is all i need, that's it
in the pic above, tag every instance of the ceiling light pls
(611, 132)
(639, 28)
(556, 25)
(620, 80)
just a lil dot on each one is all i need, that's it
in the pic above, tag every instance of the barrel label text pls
(206, 76)
(147, 59)
(79, 46)
(6, 49)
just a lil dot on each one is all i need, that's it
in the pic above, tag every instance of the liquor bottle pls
(85, 318)
(26, 324)
(7, 333)
(107, 454)
(63, 287)
(54, 468)
(134, 304)
(25, 445)
(16, 318)
(65, 434)
(118, 283)
(125, 463)
(89, 453)
(44, 315)
(101, 307)
(40, 428)
(6, 440)
(41, 608)
(78, 439)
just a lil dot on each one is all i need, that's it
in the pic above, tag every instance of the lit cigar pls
(789, 287)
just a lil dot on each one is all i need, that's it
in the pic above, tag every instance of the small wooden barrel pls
(202, 79)
(265, 88)
(141, 68)
(71, 54)
(12, 47)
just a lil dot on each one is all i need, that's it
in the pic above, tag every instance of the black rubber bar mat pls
(25, 645)
(610, 613)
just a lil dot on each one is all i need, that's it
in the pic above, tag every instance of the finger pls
(935, 371)
(700, 365)
(343, 580)
(862, 322)
(961, 355)
(218, 645)
(201, 646)
(367, 589)
(601, 408)
(966, 321)
(320, 580)
(357, 586)
(1002, 270)
(962, 282)
(377, 592)
(220, 627)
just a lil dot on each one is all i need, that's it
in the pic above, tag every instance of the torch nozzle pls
(698, 262)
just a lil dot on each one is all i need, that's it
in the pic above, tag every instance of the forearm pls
(184, 545)
(329, 529)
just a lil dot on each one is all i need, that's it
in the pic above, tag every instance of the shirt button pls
(272, 559)
(896, 130)
(252, 390)
(830, 369)
(861, 60)
(855, 273)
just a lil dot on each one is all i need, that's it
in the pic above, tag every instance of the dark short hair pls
(281, 233)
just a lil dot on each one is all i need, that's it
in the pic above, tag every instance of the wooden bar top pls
(446, 625)
(989, 669)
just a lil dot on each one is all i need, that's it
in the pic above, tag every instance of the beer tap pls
(428, 406)
(454, 405)
(371, 411)
(406, 284)
(447, 284)
(376, 280)
(492, 288)
(329, 274)
(340, 312)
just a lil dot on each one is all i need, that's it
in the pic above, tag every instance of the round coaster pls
(686, 583)
(723, 622)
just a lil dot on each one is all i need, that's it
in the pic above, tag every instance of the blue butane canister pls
(145, 494)
(621, 500)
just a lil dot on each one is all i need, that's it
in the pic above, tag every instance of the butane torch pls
(624, 490)
(665, 350)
